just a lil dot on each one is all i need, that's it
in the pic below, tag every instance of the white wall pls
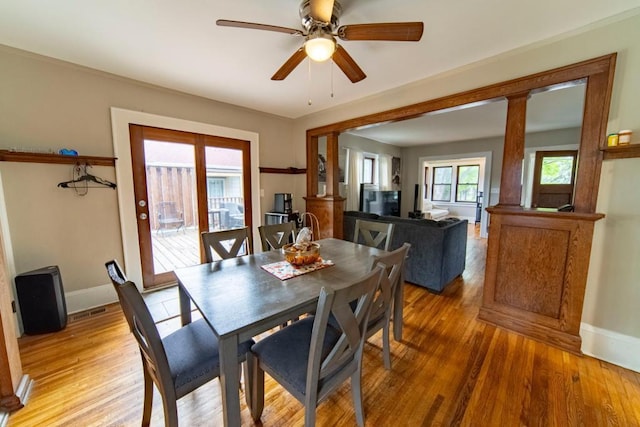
(50, 104)
(613, 284)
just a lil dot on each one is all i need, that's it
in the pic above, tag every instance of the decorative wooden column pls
(328, 208)
(329, 211)
(538, 259)
(10, 364)
(513, 154)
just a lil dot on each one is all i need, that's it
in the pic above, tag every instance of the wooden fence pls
(177, 185)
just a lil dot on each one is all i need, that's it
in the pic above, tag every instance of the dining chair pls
(374, 234)
(227, 243)
(118, 278)
(380, 317)
(178, 363)
(275, 236)
(310, 358)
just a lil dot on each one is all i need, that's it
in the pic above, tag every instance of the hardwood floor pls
(450, 369)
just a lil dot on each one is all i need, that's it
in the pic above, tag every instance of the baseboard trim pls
(86, 299)
(22, 393)
(612, 347)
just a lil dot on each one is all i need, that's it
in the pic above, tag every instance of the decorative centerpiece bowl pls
(299, 254)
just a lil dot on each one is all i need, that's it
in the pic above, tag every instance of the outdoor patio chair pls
(169, 217)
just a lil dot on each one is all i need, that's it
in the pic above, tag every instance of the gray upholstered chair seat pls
(286, 353)
(178, 363)
(310, 358)
(192, 354)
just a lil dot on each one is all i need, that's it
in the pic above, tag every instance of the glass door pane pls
(225, 191)
(173, 209)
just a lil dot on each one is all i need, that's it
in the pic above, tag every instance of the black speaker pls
(41, 299)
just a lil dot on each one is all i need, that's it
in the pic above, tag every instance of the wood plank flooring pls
(450, 370)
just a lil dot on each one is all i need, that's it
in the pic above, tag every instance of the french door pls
(184, 184)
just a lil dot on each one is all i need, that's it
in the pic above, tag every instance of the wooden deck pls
(174, 249)
(450, 369)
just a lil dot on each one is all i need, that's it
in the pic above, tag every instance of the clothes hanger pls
(85, 177)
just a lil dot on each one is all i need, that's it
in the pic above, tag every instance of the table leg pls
(398, 307)
(229, 380)
(185, 306)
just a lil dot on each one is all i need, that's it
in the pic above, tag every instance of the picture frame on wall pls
(342, 166)
(396, 173)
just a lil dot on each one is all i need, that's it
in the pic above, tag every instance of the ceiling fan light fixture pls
(320, 46)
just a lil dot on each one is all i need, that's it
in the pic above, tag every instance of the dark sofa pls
(438, 248)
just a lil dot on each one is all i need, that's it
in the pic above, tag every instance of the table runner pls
(283, 270)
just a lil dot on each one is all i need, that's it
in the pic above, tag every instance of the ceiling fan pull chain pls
(332, 66)
(309, 81)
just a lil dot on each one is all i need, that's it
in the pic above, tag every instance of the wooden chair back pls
(275, 236)
(325, 374)
(227, 243)
(382, 307)
(374, 234)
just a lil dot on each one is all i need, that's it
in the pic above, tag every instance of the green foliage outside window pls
(467, 188)
(442, 184)
(556, 170)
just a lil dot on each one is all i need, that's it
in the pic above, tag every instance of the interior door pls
(184, 184)
(553, 178)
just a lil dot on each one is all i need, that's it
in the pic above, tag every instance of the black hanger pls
(86, 177)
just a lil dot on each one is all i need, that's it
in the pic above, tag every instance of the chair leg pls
(247, 373)
(310, 415)
(170, 412)
(257, 386)
(148, 398)
(386, 347)
(356, 391)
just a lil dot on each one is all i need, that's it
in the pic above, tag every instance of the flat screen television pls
(379, 202)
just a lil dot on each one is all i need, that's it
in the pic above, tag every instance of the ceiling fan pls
(320, 22)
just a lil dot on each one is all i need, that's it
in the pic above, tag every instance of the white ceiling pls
(176, 44)
(549, 110)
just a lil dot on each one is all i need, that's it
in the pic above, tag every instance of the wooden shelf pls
(290, 171)
(622, 151)
(17, 156)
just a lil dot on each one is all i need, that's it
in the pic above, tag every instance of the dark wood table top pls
(237, 296)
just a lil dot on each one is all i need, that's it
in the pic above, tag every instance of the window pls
(467, 186)
(215, 187)
(368, 170)
(557, 170)
(441, 184)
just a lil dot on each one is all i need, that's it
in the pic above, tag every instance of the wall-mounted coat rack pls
(83, 180)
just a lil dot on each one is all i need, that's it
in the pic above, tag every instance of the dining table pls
(240, 299)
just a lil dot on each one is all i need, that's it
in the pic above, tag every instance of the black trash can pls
(41, 298)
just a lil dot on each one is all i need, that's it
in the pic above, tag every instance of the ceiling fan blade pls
(290, 65)
(392, 31)
(348, 65)
(254, 26)
(321, 10)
